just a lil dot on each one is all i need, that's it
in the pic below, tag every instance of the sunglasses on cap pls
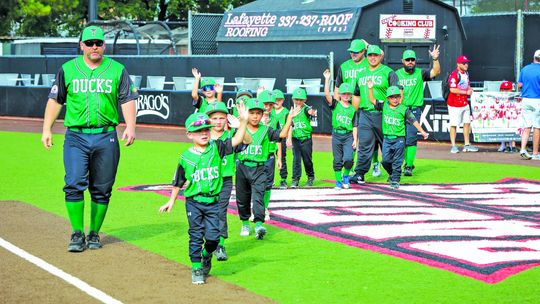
(201, 122)
(356, 53)
(410, 60)
(90, 43)
(208, 88)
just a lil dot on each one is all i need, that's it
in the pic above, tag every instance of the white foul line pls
(93, 292)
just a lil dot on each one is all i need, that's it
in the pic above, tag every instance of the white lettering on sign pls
(157, 105)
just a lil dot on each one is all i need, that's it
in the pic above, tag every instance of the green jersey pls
(92, 96)
(383, 77)
(349, 70)
(272, 123)
(393, 119)
(281, 117)
(258, 151)
(202, 104)
(228, 165)
(202, 169)
(301, 124)
(342, 117)
(413, 86)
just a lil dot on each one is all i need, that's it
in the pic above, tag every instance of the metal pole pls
(519, 43)
(190, 28)
(92, 10)
(331, 66)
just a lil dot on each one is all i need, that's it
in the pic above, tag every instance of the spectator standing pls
(529, 82)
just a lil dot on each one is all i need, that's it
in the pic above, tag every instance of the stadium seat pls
(313, 86)
(155, 82)
(136, 79)
(435, 89)
(492, 86)
(48, 79)
(292, 84)
(267, 83)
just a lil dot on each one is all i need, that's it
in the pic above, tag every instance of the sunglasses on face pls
(394, 97)
(464, 63)
(201, 122)
(208, 88)
(410, 60)
(90, 43)
(356, 53)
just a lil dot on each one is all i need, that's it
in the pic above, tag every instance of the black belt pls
(302, 138)
(393, 136)
(92, 130)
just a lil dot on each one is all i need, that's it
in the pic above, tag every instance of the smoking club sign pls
(484, 231)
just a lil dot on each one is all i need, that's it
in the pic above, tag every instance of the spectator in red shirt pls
(458, 104)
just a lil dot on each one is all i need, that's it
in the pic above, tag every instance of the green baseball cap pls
(393, 90)
(357, 45)
(266, 97)
(242, 99)
(299, 93)
(207, 81)
(409, 54)
(198, 121)
(278, 93)
(244, 92)
(373, 49)
(254, 103)
(93, 33)
(345, 88)
(216, 107)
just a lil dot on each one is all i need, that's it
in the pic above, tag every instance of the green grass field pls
(287, 266)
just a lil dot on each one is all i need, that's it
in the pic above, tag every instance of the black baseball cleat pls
(77, 242)
(407, 171)
(93, 241)
(310, 182)
(221, 254)
(294, 184)
(283, 185)
(357, 179)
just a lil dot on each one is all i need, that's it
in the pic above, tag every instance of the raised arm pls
(436, 68)
(326, 75)
(292, 114)
(195, 90)
(239, 137)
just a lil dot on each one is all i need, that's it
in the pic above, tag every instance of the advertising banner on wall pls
(288, 25)
(496, 116)
(401, 27)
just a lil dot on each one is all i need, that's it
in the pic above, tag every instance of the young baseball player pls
(280, 113)
(218, 114)
(211, 91)
(506, 86)
(343, 132)
(394, 115)
(251, 174)
(301, 139)
(200, 168)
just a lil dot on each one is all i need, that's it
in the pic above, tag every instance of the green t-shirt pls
(259, 149)
(92, 96)
(301, 124)
(273, 123)
(393, 120)
(203, 170)
(383, 77)
(342, 117)
(349, 71)
(413, 86)
(281, 116)
(228, 161)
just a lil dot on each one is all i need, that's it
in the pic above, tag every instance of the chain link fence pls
(202, 41)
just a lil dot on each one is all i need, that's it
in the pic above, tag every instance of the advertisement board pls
(496, 116)
(417, 27)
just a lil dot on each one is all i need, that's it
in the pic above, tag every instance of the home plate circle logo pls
(484, 231)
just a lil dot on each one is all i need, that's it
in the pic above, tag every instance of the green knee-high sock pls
(97, 215)
(410, 155)
(375, 158)
(338, 176)
(266, 198)
(346, 171)
(76, 215)
(221, 241)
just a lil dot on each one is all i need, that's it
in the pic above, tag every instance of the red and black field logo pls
(484, 231)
